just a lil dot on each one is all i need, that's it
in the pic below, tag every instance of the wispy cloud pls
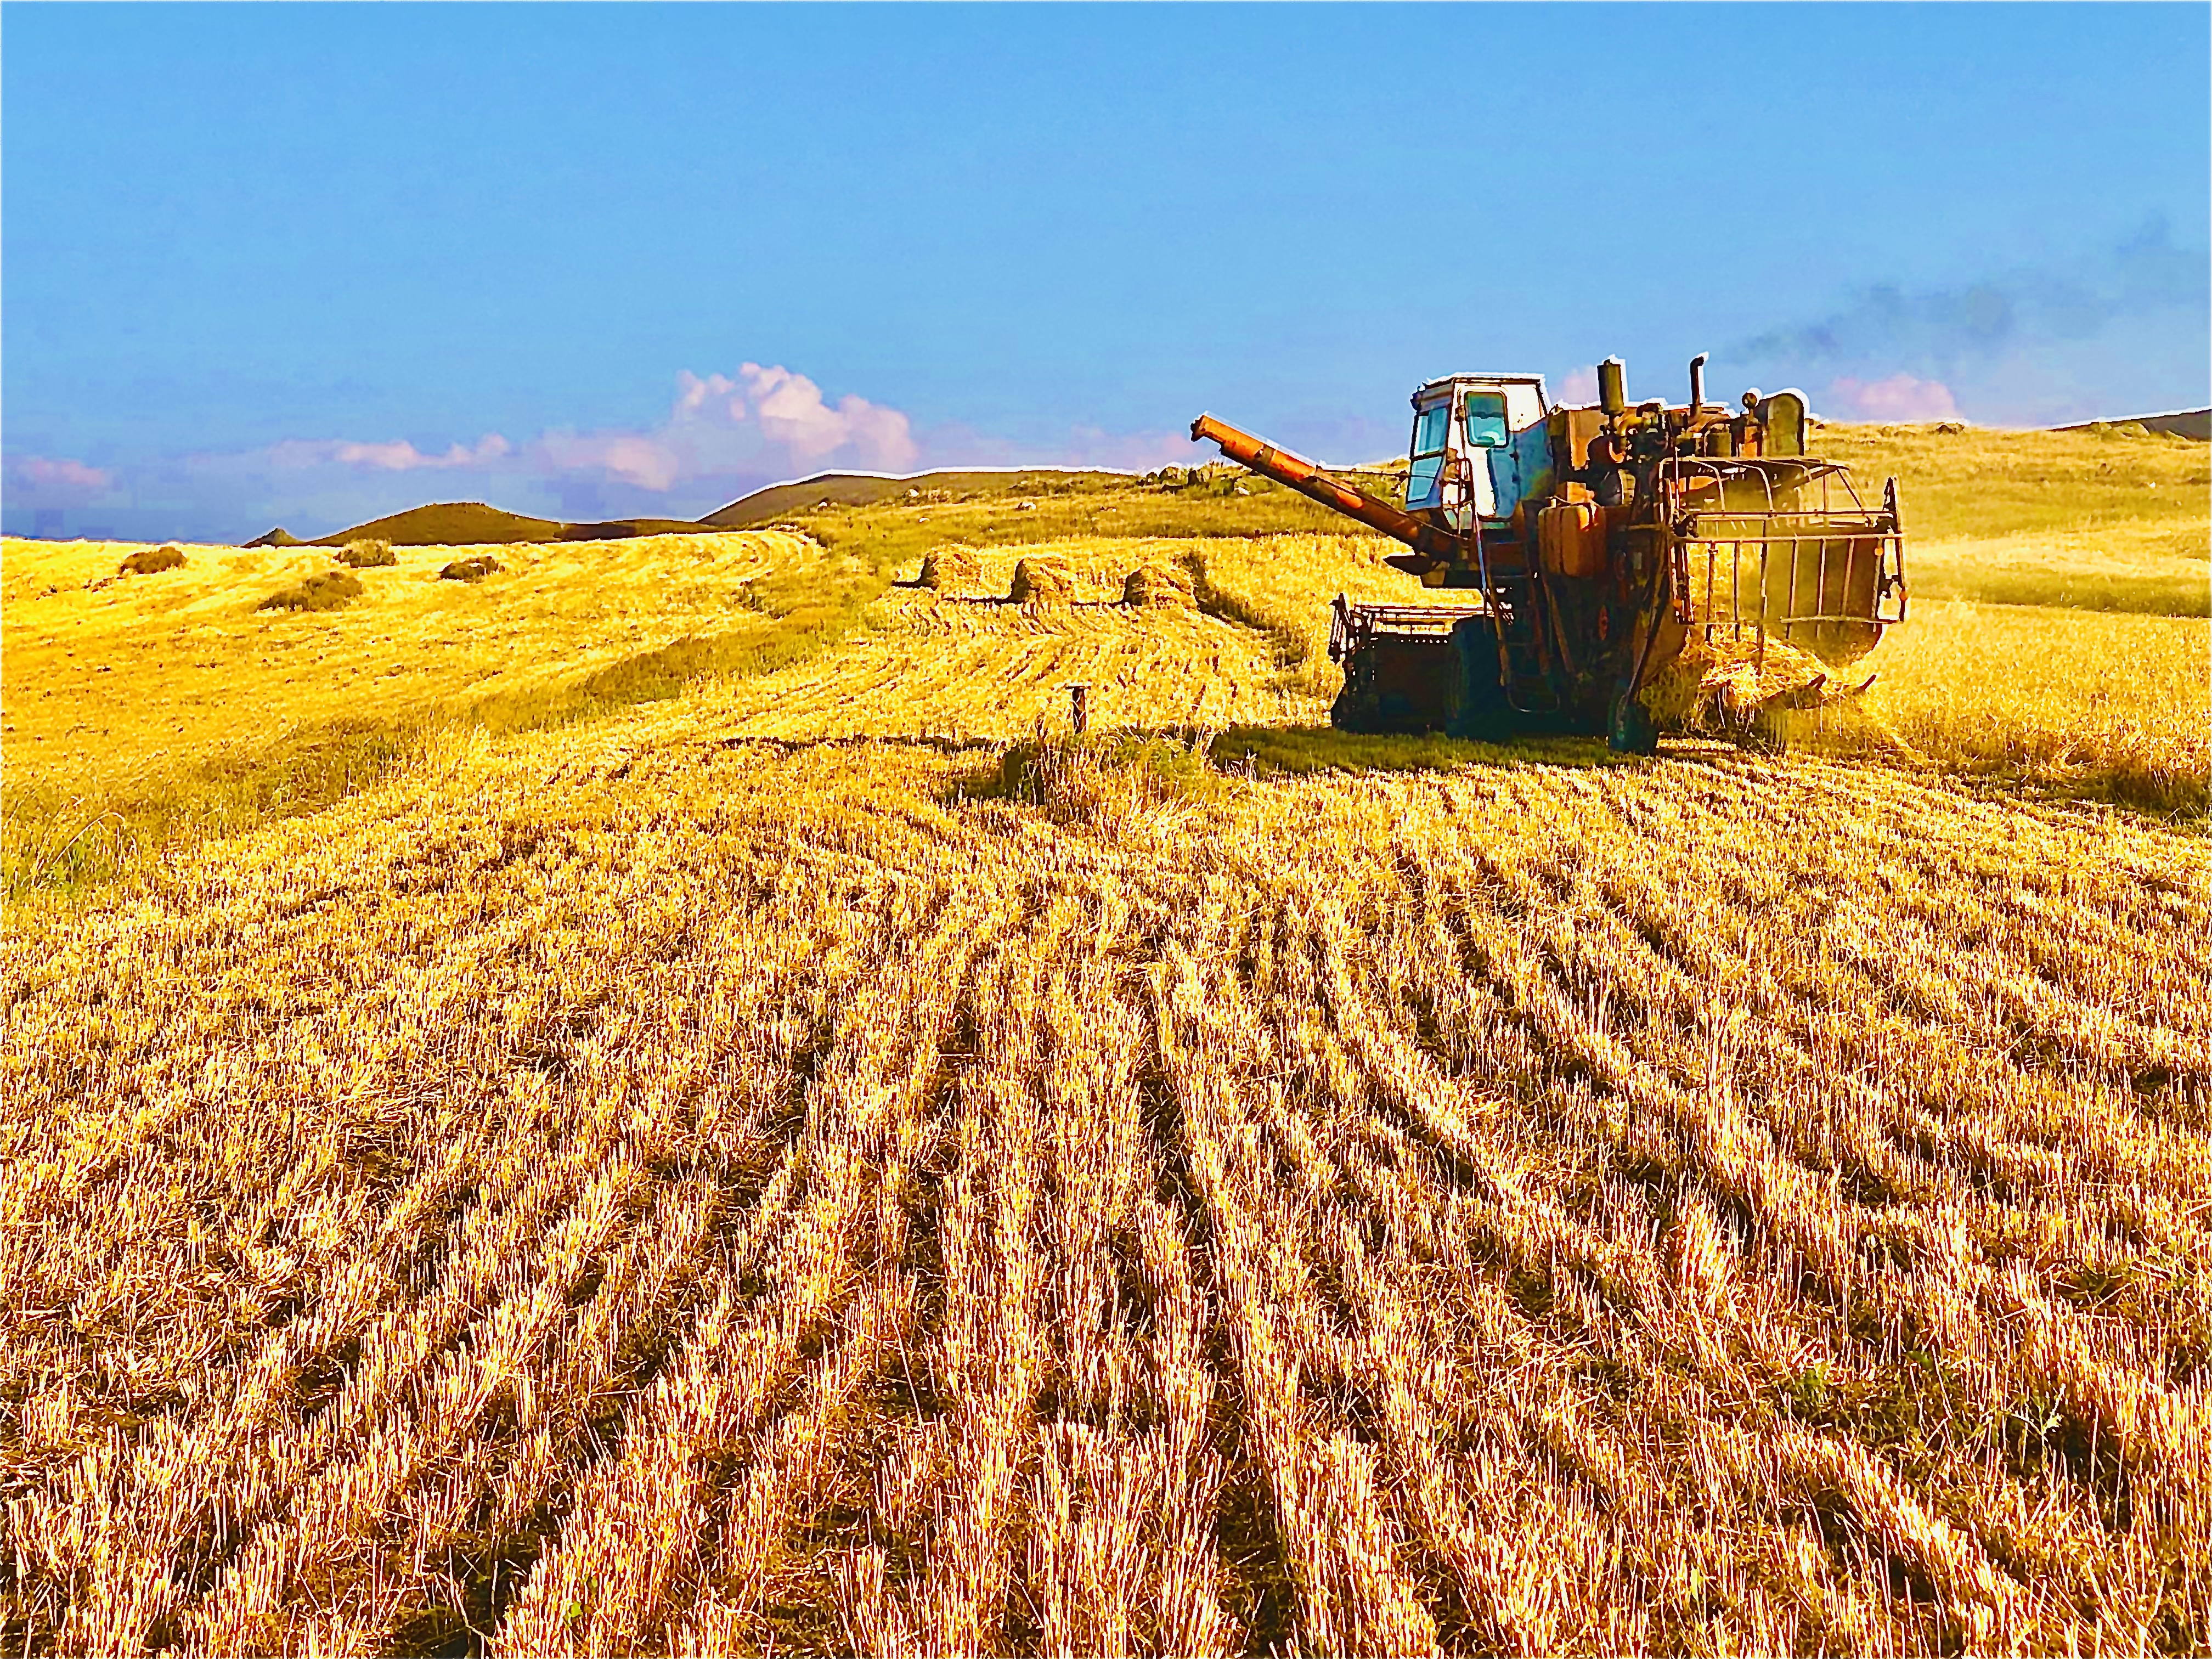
(1992, 342)
(1579, 388)
(1898, 398)
(1940, 327)
(59, 476)
(395, 456)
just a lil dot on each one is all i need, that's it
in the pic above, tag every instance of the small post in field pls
(1079, 707)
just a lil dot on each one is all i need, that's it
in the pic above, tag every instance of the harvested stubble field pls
(730, 1173)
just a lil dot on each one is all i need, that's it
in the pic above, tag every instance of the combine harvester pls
(1600, 544)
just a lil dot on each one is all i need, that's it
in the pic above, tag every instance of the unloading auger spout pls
(1310, 479)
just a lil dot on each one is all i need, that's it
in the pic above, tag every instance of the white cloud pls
(791, 412)
(692, 392)
(405, 458)
(395, 456)
(1898, 398)
(1579, 389)
(59, 476)
(765, 419)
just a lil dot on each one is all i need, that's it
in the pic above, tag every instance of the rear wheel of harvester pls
(1354, 711)
(1631, 731)
(1483, 714)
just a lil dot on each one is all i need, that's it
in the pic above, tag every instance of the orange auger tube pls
(1309, 479)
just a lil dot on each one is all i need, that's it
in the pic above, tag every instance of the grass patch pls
(2134, 595)
(1986, 483)
(59, 847)
(2067, 704)
(1113, 781)
(269, 719)
(1298, 750)
(2151, 569)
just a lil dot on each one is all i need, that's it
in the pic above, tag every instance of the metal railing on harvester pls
(1782, 547)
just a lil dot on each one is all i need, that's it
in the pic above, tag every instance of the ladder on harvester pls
(1524, 658)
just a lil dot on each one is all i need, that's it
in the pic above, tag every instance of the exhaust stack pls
(1612, 386)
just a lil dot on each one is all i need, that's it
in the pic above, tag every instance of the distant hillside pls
(2180, 423)
(463, 524)
(860, 489)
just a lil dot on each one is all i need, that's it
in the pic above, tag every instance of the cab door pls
(1502, 427)
(1496, 463)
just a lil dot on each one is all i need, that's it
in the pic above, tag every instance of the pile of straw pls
(367, 553)
(1156, 584)
(1716, 685)
(1042, 581)
(327, 590)
(950, 566)
(148, 560)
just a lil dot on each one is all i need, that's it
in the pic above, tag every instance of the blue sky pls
(307, 264)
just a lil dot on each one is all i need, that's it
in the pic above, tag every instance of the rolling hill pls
(861, 489)
(469, 524)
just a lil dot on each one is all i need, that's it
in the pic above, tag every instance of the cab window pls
(1485, 414)
(1432, 427)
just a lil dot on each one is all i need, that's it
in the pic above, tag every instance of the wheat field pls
(732, 1175)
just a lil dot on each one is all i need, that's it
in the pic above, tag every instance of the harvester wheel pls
(1630, 730)
(1483, 714)
(1354, 711)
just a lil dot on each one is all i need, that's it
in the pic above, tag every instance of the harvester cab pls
(1598, 545)
(1479, 448)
